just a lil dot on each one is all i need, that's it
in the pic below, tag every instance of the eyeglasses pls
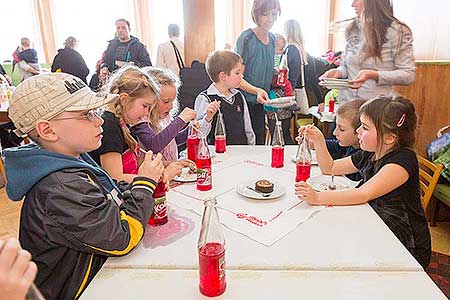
(90, 115)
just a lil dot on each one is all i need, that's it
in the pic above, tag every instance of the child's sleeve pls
(200, 106)
(80, 216)
(358, 159)
(157, 141)
(251, 138)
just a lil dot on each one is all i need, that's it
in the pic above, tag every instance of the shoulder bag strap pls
(177, 55)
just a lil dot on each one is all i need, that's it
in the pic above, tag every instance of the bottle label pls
(222, 267)
(160, 208)
(204, 176)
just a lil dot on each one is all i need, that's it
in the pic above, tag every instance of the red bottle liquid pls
(303, 171)
(159, 214)
(203, 162)
(211, 252)
(277, 146)
(192, 146)
(331, 105)
(221, 144)
(282, 77)
(277, 157)
(212, 269)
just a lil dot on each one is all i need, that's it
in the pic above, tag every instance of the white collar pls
(212, 90)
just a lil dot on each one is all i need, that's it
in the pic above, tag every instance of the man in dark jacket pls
(69, 61)
(125, 48)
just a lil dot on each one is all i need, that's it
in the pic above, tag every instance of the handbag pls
(301, 97)
(193, 81)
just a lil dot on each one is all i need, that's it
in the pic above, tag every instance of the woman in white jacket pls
(378, 54)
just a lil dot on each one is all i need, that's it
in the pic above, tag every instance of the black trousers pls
(257, 115)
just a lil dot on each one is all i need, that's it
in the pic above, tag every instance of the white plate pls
(278, 190)
(334, 80)
(320, 183)
(313, 158)
(186, 176)
(337, 86)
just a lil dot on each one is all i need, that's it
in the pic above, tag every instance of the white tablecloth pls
(349, 238)
(264, 285)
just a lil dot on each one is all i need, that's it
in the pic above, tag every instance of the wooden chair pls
(428, 178)
(2, 167)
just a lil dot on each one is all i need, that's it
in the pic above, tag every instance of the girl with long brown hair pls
(119, 151)
(390, 171)
(378, 54)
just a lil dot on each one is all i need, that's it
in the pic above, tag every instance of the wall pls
(431, 96)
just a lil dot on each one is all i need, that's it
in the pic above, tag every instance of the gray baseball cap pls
(44, 96)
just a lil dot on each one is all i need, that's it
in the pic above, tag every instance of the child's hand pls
(152, 167)
(211, 110)
(17, 272)
(312, 133)
(305, 192)
(321, 108)
(187, 115)
(187, 163)
(173, 169)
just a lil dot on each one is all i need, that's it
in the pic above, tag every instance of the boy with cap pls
(73, 215)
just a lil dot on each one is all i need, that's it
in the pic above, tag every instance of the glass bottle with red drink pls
(203, 162)
(331, 105)
(277, 146)
(159, 214)
(211, 252)
(220, 134)
(303, 160)
(283, 70)
(192, 142)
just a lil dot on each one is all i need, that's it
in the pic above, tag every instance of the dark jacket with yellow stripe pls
(71, 220)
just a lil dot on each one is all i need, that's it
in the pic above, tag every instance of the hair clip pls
(402, 120)
(122, 123)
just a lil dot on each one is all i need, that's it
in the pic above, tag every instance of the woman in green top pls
(257, 48)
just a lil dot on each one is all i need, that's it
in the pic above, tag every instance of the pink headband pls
(402, 120)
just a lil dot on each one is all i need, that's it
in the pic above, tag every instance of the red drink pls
(303, 171)
(282, 77)
(159, 214)
(277, 157)
(221, 144)
(204, 179)
(192, 147)
(331, 105)
(211, 260)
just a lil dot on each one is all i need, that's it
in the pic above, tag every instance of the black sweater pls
(71, 62)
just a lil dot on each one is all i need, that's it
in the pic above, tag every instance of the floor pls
(10, 212)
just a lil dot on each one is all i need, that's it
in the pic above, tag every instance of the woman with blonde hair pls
(296, 56)
(119, 151)
(379, 52)
(161, 133)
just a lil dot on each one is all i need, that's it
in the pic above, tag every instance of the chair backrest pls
(428, 178)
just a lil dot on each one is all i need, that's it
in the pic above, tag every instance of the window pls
(312, 15)
(93, 30)
(313, 18)
(18, 23)
(163, 13)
